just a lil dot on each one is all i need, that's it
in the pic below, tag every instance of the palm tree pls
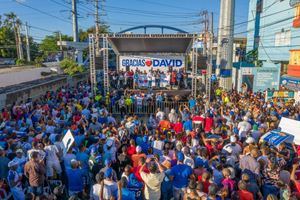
(12, 21)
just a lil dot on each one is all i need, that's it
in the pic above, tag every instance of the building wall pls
(276, 18)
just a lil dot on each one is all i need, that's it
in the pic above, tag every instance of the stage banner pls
(276, 137)
(148, 62)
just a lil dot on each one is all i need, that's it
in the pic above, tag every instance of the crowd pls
(149, 79)
(198, 151)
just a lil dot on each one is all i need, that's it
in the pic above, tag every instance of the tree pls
(70, 67)
(49, 43)
(84, 35)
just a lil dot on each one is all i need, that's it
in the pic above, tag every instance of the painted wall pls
(276, 16)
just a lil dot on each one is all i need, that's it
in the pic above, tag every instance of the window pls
(283, 38)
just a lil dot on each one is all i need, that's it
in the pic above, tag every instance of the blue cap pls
(180, 156)
(108, 173)
(231, 113)
(199, 162)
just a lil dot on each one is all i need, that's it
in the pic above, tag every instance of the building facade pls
(274, 31)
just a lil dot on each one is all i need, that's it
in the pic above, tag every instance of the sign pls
(246, 70)
(277, 137)
(286, 95)
(294, 3)
(266, 77)
(290, 83)
(291, 127)
(67, 141)
(146, 63)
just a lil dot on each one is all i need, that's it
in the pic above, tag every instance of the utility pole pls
(97, 27)
(16, 38)
(27, 43)
(210, 36)
(21, 55)
(75, 21)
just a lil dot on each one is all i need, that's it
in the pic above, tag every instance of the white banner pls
(145, 63)
(292, 127)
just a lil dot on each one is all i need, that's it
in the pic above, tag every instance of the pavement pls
(17, 75)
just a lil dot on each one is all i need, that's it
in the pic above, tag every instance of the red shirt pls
(178, 128)
(245, 195)
(131, 150)
(208, 121)
(206, 184)
(136, 172)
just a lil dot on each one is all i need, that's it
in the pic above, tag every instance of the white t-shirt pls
(95, 191)
(244, 127)
(51, 153)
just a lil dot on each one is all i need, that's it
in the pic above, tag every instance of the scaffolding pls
(92, 64)
(105, 63)
(194, 67)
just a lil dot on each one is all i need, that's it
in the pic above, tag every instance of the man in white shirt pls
(52, 159)
(244, 127)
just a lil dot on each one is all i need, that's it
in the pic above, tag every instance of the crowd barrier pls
(146, 107)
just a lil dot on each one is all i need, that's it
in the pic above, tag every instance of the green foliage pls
(49, 43)
(70, 67)
(20, 62)
(38, 61)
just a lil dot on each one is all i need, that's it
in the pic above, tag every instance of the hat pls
(180, 156)
(228, 149)
(19, 151)
(13, 163)
(199, 162)
(232, 139)
(245, 118)
(172, 110)
(250, 140)
(138, 149)
(73, 161)
(108, 173)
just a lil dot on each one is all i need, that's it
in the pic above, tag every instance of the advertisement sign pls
(286, 95)
(291, 127)
(290, 83)
(146, 63)
(266, 77)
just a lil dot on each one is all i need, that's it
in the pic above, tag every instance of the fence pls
(146, 107)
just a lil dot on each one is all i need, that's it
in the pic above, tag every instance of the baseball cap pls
(138, 149)
(19, 151)
(107, 161)
(13, 163)
(180, 156)
(250, 140)
(232, 139)
(228, 149)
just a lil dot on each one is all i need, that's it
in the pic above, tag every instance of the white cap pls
(245, 118)
(73, 161)
(19, 151)
(13, 163)
(138, 149)
(250, 140)
(232, 138)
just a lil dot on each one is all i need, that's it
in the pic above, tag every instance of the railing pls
(146, 107)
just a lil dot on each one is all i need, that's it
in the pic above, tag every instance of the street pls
(13, 76)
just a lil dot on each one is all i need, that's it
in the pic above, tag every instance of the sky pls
(46, 16)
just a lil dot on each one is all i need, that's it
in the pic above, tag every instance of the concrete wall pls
(36, 91)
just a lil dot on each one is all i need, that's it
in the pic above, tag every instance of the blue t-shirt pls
(75, 179)
(181, 175)
(79, 139)
(84, 160)
(192, 103)
(188, 125)
(127, 194)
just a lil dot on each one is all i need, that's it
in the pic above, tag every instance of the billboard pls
(148, 62)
